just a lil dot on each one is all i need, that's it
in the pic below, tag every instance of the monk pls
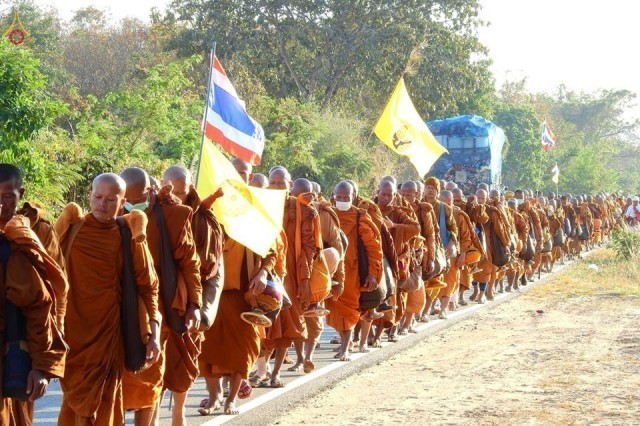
(181, 299)
(487, 274)
(520, 226)
(403, 227)
(476, 214)
(317, 192)
(356, 224)
(209, 240)
(466, 241)
(300, 232)
(236, 343)
(92, 384)
(424, 251)
(447, 235)
(333, 251)
(259, 180)
(29, 276)
(40, 226)
(366, 204)
(535, 230)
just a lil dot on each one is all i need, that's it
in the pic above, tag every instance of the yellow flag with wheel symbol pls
(402, 129)
(251, 216)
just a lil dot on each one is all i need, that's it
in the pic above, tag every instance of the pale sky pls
(586, 44)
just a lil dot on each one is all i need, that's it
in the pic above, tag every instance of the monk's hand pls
(389, 224)
(304, 291)
(336, 291)
(370, 283)
(259, 283)
(192, 317)
(36, 384)
(153, 350)
(429, 266)
(461, 260)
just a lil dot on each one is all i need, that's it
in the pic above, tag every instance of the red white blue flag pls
(548, 139)
(227, 121)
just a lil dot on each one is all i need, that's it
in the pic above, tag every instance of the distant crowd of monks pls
(146, 292)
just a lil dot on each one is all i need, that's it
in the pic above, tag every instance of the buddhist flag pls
(401, 129)
(556, 174)
(251, 216)
(548, 139)
(227, 122)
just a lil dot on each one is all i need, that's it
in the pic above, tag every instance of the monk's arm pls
(146, 278)
(26, 289)
(429, 234)
(410, 226)
(464, 234)
(187, 257)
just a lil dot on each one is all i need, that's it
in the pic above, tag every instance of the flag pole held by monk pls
(206, 109)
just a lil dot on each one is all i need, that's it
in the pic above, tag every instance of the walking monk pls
(209, 240)
(300, 222)
(356, 224)
(28, 278)
(92, 384)
(231, 345)
(403, 228)
(177, 265)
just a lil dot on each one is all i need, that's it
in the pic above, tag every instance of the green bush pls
(626, 244)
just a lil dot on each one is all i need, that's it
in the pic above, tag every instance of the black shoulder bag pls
(135, 351)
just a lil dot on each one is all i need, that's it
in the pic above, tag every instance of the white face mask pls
(519, 202)
(343, 206)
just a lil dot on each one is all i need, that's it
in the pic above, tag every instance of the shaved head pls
(279, 178)
(244, 169)
(343, 192)
(259, 180)
(138, 184)
(450, 185)
(107, 197)
(354, 185)
(481, 196)
(386, 193)
(484, 186)
(301, 186)
(389, 179)
(446, 197)
(181, 180)
(494, 194)
(317, 189)
(116, 182)
(177, 173)
(409, 191)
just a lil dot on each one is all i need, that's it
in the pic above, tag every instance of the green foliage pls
(626, 244)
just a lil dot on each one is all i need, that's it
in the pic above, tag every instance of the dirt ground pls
(567, 352)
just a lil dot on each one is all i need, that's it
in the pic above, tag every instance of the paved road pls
(299, 385)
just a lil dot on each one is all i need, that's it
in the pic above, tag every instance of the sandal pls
(277, 383)
(245, 390)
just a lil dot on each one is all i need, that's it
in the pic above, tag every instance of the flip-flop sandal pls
(295, 368)
(309, 366)
(245, 390)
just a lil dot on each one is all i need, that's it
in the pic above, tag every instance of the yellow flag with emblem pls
(401, 129)
(251, 216)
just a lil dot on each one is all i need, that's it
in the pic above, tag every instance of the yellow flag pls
(401, 129)
(251, 216)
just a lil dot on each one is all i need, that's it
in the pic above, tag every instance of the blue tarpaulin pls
(475, 150)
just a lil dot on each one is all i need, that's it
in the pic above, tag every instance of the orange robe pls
(497, 223)
(425, 248)
(290, 324)
(49, 240)
(406, 228)
(236, 343)
(143, 389)
(92, 384)
(345, 312)
(436, 283)
(27, 283)
(465, 240)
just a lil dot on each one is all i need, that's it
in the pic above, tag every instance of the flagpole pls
(212, 55)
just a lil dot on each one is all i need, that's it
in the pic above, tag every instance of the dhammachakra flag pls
(251, 216)
(227, 122)
(548, 139)
(556, 174)
(401, 129)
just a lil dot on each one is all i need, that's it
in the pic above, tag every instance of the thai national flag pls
(548, 138)
(227, 121)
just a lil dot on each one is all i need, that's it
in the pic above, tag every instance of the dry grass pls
(614, 278)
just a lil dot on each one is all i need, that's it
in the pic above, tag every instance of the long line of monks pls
(146, 292)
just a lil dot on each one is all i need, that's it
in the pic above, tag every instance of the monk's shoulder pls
(177, 213)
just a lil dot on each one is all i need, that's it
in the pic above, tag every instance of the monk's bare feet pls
(443, 315)
(453, 306)
(462, 302)
(276, 382)
(435, 311)
(392, 338)
(297, 367)
(208, 409)
(480, 298)
(402, 332)
(364, 349)
(230, 409)
(377, 343)
(424, 318)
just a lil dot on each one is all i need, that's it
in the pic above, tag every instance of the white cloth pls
(633, 211)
